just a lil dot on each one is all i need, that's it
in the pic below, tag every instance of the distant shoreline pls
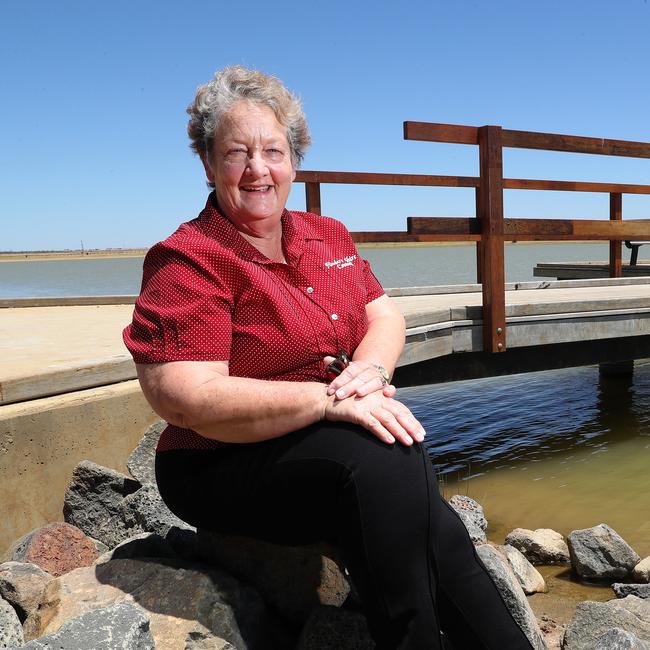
(107, 253)
(26, 256)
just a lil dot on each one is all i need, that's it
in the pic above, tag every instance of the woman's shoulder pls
(188, 242)
(317, 224)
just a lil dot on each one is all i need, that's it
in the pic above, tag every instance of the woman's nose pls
(256, 165)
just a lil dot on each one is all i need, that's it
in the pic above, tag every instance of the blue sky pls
(92, 117)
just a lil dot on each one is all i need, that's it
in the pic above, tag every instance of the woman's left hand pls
(359, 378)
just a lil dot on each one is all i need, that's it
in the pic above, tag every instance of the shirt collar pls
(295, 232)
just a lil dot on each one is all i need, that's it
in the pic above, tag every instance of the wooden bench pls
(634, 247)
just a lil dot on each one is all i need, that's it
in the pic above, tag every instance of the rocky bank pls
(122, 572)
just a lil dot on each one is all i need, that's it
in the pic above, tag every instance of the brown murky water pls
(564, 449)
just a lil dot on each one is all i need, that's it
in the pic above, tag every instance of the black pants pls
(409, 555)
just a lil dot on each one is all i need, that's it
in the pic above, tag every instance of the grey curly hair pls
(234, 84)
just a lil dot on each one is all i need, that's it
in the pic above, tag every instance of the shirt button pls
(310, 289)
(335, 316)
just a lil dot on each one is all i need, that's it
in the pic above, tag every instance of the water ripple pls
(475, 426)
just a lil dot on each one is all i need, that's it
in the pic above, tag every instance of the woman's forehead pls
(250, 121)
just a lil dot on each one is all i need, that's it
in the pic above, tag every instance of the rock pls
(331, 627)
(94, 496)
(552, 632)
(617, 639)
(180, 598)
(640, 591)
(541, 546)
(641, 572)
(146, 509)
(593, 620)
(202, 641)
(11, 631)
(142, 461)
(123, 626)
(471, 514)
(56, 548)
(600, 552)
(512, 593)
(21, 585)
(292, 580)
(142, 511)
(529, 577)
(142, 545)
(100, 546)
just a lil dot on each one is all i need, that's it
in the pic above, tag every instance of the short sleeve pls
(374, 289)
(183, 312)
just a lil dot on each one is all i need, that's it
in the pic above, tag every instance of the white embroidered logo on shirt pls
(341, 263)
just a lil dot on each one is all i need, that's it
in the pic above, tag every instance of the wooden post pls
(312, 197)
(615, 247)
(490, 215)
(479, 244)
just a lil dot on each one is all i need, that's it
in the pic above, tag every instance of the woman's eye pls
(236, 155)
(274, 154)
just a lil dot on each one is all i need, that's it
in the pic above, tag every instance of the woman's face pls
(250, 165)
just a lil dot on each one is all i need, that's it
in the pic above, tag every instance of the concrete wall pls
(42, 440)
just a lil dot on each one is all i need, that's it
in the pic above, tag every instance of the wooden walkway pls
(49, 350)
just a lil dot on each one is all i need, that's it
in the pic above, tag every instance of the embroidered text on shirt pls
(341, 263)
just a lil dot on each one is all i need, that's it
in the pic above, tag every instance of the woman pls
(266, 343)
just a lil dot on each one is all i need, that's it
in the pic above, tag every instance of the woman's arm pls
(203, 397)
(382, 345)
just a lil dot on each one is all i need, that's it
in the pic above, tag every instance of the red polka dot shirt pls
(209, 295)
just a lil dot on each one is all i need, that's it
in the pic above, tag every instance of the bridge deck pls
(51, 349)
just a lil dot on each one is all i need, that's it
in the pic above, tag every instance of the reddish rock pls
(57, 548)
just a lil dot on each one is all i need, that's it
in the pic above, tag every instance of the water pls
(71, 277)
(395, 267)
(563, 449)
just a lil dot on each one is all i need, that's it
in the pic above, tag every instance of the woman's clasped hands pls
(361, 396)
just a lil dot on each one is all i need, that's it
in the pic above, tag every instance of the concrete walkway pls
(52, 350)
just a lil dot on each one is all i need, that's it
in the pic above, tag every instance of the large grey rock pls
(641, 572)
(292, 580)
(600, 552)
(142, 511)
(146, 509)
(94, 496)
(593, 620)
(11, 631)
(540, 546)
(640, 591)
(512, 593)
(180, 598)
(142, 461)
(22, 585)
(617, 639)
(123, 626)
(142, 545)
(471, 514)
(529, 577)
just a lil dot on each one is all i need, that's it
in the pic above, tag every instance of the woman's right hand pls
(385, 417)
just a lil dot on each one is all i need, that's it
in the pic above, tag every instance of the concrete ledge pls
(41, 441)
(66, 301)
(52, 350)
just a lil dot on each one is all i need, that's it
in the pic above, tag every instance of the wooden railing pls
(490, 229)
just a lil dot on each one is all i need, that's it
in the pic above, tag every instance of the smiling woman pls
(266, 342)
